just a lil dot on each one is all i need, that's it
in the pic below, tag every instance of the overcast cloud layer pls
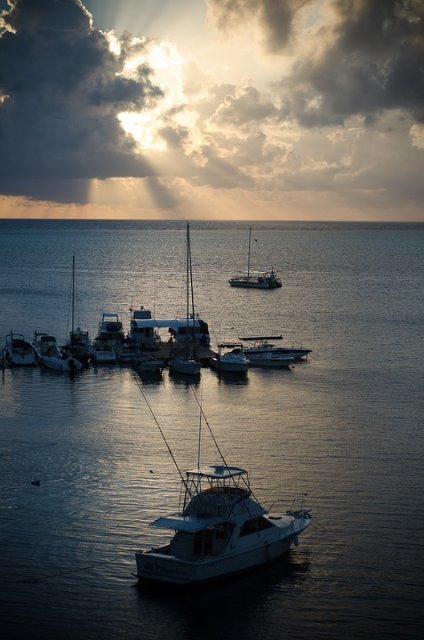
(344, 115)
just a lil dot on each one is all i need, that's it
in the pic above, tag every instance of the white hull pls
(227, 366)
(15, 359)
(61, 364)
(186, 366)
(268, 362)
(18, 352)
(159, 566)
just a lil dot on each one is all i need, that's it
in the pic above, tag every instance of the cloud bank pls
(62, 91)
(340, 122)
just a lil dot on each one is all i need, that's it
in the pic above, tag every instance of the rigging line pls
(202, 413)
(216, 443)
(200, 439)
(164, 439)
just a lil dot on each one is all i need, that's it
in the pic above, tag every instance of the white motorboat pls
(186, 362)
(266, 279)
(264, 351)
(18, 352)
(51, 356)
(230, 361)
(109, 340)
(221, 530)
(220, 527)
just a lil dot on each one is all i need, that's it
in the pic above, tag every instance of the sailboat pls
(221, 528)
(78, 343)
(185, 363)
(255, 279)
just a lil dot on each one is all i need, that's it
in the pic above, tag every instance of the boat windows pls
(254, 525)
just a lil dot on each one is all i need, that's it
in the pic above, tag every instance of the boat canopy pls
(176, 323)
(217, 472)
(190, 524)
(229, 345)
(257, 338)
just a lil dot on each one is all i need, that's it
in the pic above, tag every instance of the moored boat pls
(264, 350)
(18, 351)
(51, 356)
(221, 530)
(265, 279)
(78, 344)
(186, 362)
(230, 358)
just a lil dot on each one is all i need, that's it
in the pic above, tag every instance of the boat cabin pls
(145, 331)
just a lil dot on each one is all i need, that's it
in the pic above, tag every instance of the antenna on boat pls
(200, 439)
(164, 439)
(73, 295)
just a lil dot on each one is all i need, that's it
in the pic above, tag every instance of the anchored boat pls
(220, 529)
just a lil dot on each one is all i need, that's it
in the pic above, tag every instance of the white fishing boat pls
(265, 353)
(109, 340)
(18, 352)
(220, 529)
(251, 279)
(50, 355)
(185, 362)
(230, 358)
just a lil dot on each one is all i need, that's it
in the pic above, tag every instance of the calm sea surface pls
(346, 427)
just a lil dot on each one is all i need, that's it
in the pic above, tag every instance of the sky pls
(212, 109)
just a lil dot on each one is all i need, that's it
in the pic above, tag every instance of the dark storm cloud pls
(62, 92)
(371, 58)
(274, 16)
(375, 63)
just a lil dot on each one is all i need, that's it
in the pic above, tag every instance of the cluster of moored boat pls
(185, 349)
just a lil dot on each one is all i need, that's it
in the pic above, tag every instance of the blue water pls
(345, 427)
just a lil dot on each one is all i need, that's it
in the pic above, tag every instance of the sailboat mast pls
(73, 293)
(191, 277)
(187, 279)
(248, 255)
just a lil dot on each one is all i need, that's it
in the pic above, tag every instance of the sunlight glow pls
(167, 65)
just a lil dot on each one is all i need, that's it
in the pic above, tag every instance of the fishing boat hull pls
(160, 566)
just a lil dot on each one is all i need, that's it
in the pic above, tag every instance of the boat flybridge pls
(221, 530)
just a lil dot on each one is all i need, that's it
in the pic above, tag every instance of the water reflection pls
(228, 608)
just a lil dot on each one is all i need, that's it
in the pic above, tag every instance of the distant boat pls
(255, 279)
(264, 353)
(18, 352)
(186, 362)
(51, 356)
(230, 358)
(221, 528)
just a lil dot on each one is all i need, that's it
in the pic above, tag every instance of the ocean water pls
(345, 427)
